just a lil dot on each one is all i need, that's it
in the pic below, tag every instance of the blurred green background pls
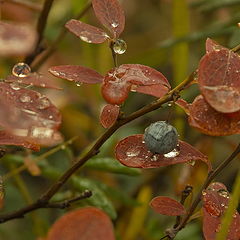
(168, 35)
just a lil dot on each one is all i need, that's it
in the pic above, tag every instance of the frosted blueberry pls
(161, 137)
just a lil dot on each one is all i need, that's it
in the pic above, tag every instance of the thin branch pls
(41, 25)
(38, 204)
(45, 198)
(52, 48)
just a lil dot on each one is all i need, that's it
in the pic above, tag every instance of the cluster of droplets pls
(21, 70)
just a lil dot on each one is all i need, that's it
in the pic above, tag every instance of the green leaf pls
(111, 165)
(98, 199)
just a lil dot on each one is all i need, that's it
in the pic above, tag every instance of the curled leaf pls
(109, 115)
(110, 14)
(219, 78)
(88, 223)
(167, 206)
(86, 32)
(209, 121)
(215, 201)
(78, 74)
(132, 152)
(119, 81)
(16, 39)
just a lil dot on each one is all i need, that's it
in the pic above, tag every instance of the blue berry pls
(161, 137)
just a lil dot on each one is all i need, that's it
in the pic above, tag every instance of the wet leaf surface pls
(77, 74)
(212, 45)
(215, 201)
(109, 115)
(110, 14)
(167, 206)
(16, 39)
(88, 223)
(132, 152)
(209, 121)
(218, 78)
(86, 32)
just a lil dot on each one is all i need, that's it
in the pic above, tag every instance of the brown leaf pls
(215, 201)
(88, 223)
(109, 115)
(78, 74)
(132, 152)
(209, 121)
(16, 39)
(167, 206)
(218, 78)
(86, 32)
(153, 90)
(110, 14)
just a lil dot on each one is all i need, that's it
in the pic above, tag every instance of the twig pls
(45, 198)
(52, 48)
(41, 25)
(38, 204)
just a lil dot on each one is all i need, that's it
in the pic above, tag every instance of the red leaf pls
(9, 139)
(34, 79)
(167, 206)
(219, 78)
(86, 32)
(184, 105)
(154, 90)
(215, 201)
(78, 74)
(119, 81)
(132, 152)
(212, 45)
(29, 115)
(110, 14)
(87, 223)
(209, 121)
(109, 115)
(16, 39)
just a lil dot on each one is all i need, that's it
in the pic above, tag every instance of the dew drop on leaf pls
(44, 103)
(21, 70)
(24, 98)
(224, 193)
(119, 46)
(174, 153)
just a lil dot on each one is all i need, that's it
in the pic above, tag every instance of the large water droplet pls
(21, 70)
(44, 103)
(173, 153)
(120, 46)
(24, 98)
(85, 39)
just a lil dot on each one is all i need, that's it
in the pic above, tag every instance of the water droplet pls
(24, 98)
(42, 132)
(120, 46)
(173, 153)
(85, 39)
(21, 70)
(132, 153)
(192, 163)
(79, 84)
(44, 103)
(224, 193)
(154, 158)
(114, 24)
(204, 193)
(222, 204)
(14, 86)
(169, 104)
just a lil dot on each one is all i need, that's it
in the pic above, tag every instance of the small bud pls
(161, 137)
